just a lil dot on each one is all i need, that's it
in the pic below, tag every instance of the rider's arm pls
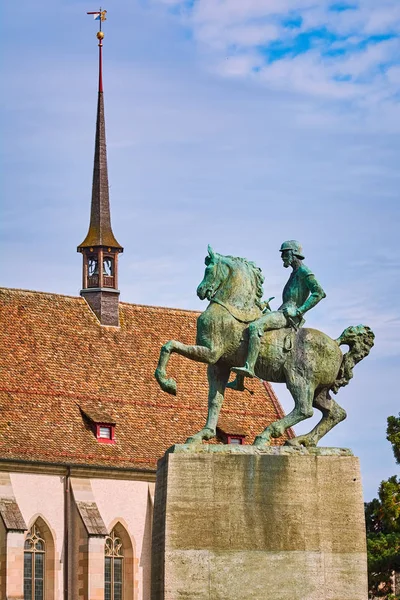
(316, 294)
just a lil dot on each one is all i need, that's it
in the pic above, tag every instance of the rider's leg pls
(255, 332)
(272, 320)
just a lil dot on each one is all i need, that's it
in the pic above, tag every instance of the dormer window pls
(229, 432)
(100, 422)
(105, 433)
(235, 439)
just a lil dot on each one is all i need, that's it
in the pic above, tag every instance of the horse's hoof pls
(204, 434)
(300, 441)
(169, 386)
(293, 443)
(193, 440)
(261, 442)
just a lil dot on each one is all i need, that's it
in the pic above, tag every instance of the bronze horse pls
(308, 361)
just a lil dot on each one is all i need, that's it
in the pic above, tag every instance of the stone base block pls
(248, 524)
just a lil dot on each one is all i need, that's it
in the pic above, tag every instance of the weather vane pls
(100, 15)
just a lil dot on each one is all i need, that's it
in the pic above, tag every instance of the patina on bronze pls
(301, 293)
(280, 350)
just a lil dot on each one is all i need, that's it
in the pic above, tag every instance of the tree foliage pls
(382, 516)
(393, 435)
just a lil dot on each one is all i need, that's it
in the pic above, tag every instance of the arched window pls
(113, 568)
(108, 266)
(108, 271)
(34, 565)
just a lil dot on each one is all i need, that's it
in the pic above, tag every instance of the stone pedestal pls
(236, 522)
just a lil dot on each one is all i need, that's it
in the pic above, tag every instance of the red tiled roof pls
(56, 358)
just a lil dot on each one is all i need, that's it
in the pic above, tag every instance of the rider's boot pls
(254, 349)
(237, 384)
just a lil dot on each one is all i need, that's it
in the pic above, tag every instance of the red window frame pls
(235, 437)
(111, 439)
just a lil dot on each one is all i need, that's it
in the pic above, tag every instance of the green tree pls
(393, 435)
(382, 516)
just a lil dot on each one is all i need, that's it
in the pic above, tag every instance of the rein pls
(229, 309)
(240, 315)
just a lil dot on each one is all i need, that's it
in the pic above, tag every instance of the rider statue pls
(301, 293)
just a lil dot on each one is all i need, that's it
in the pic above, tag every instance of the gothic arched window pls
(34, 561)
(113, 568)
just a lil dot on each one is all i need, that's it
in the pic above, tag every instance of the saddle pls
(294, 328)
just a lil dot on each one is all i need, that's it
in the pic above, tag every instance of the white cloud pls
(234, 39)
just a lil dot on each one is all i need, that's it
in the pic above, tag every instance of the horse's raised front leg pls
(217, 379)
(197, 353)
(303, 395)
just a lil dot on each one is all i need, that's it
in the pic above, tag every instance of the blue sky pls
(239, 124)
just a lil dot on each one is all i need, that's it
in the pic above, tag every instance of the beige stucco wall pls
(3, 559)
(123, 501)
(14, 565)
(78, 557)
(43, 496)
(128, 502)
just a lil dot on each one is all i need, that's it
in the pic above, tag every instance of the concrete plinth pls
(244, 523)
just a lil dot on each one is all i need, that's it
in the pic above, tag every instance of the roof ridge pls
(154, 307)
(7, 289)
(151, 306)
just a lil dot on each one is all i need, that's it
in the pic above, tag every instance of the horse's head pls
(215, 274)
(232, 280)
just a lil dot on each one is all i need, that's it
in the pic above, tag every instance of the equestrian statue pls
(239, 332)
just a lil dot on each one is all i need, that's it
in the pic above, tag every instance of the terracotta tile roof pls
(91, 518)
(11, 515)
(230, 426)
(56, 358)
(97, 415)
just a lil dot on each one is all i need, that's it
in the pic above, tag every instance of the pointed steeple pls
(100, 249)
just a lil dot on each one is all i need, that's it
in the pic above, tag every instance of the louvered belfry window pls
(34, 560)
(108, 271)
(93, 272)
(113, 568)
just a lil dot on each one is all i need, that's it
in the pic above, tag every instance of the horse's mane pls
(256, 273)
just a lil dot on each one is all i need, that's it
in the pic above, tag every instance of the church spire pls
(100, 249)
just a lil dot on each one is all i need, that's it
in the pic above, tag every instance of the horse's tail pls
(360, 339)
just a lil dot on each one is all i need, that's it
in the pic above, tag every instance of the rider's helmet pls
(294, 246)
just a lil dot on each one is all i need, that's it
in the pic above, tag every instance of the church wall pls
(129, 503)
(96, 569)
(14, 565)
(3, 559)
(123, 504)
(43, 496)
(78, 557)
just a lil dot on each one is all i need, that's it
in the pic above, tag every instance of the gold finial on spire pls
(100, 15)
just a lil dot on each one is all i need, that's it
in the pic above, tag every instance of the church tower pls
(100, 249)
